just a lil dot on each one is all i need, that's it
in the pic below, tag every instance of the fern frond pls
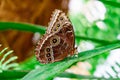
(6, 65)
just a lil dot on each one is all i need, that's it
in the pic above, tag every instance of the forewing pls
(57, 20)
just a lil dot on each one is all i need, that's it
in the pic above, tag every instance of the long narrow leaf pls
(11, 65)
(40, 29)
(9, 60)
(22, 27)
(3, 51)
(13, 74)
(112, 3)
(48, 71)
(76, 76)
(4, 57)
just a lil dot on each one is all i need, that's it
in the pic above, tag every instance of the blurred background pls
(97, 22)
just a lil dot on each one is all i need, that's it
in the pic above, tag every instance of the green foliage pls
(21, 27)
(58, 66)
(48, 71)
(83, 31)
(6, 65)
(112, 3)
(30, 63)
(75, 76)
(12, 74)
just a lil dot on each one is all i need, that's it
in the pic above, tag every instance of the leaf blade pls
(49, 71)
(22, 27)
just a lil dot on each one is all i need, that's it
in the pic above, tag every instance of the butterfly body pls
(58, 42)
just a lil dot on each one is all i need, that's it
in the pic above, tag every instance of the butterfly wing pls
(56, 46)
(58, 42)
(58, 20)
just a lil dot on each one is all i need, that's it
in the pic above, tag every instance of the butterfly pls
(58, 42)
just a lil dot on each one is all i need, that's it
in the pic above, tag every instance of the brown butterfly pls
(58, 41)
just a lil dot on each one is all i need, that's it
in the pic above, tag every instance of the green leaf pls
(22, 27)
(76, 76)
(12, 74)
(112, 3)
(29, 63)
(41, 30)
(49, 71)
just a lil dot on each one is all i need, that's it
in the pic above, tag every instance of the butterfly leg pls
(74, 52)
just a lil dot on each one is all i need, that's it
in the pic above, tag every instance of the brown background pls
(28, 11)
